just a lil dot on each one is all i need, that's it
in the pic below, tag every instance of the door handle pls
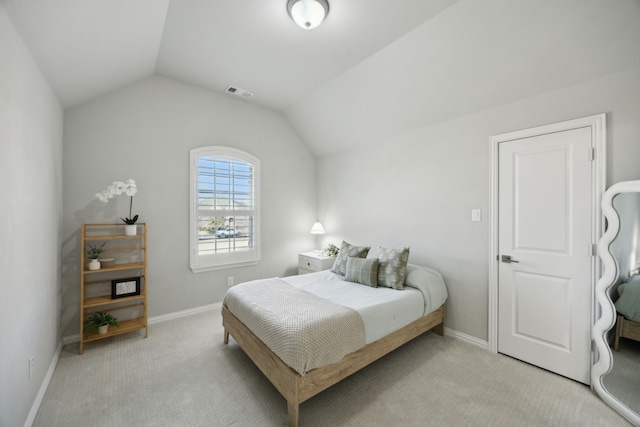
(508, 259)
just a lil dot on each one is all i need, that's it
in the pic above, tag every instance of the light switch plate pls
(476, 215)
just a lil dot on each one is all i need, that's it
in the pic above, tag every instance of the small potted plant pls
(99, 322)
(93, 253)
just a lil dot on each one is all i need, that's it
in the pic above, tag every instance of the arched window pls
(225, 208)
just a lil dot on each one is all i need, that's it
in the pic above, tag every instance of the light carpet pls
(183, 375)
(623, 379)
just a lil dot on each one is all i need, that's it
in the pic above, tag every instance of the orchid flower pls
(117, 188)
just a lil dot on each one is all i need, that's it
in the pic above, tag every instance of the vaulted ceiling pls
(374, 68)
(89, 47)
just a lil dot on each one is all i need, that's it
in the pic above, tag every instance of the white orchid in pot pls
(129, 188)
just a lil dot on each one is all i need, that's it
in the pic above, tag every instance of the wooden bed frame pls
(297, 388)
(626, 329)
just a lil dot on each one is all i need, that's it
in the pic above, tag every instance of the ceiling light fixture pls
(308, 14)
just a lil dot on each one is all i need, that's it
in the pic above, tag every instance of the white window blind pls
(224, 208)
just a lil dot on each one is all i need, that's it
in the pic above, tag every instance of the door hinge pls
(593, 346)
(594, 249)
(592, 155)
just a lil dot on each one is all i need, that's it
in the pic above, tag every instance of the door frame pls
(597, 123)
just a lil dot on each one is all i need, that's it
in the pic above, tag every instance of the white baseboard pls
(185, 313)
(467, 338)
(71, 339)
(43, 388)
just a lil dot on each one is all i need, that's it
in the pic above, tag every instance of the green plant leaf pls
(130, 221)
(95, 320)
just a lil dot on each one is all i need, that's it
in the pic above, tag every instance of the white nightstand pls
(309, 262)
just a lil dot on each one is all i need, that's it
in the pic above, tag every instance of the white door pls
(545, 227)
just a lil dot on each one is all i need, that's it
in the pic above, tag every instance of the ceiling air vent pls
(239, 92)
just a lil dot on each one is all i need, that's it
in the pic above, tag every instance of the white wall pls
(473, 56)
(30, 225)
(145, 131)
(418, 188)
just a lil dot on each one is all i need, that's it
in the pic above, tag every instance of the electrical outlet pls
(31, 363)
(230, 281)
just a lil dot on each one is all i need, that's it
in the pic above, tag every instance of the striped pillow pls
(347, 250)
(362, 270)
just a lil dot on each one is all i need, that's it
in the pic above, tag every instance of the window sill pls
(202, 269)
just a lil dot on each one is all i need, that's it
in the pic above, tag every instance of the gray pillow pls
(348, 250)
(629, 302)
(362, 270)
(392, 267)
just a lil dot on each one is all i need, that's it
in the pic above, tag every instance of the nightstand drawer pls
(310, 262)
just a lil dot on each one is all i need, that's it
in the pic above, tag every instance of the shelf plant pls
(99, 322)
(94, 251)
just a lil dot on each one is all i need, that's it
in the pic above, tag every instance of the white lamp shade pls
(317, 228)
(308, 14)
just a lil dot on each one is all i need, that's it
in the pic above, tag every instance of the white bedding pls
(383, 310)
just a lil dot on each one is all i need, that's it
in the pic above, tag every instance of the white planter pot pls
(130, 229)
(103, 329)
(94, 264)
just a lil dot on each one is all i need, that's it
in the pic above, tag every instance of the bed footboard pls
(296, 388)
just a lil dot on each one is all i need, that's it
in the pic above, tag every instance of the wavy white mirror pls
(616, 374)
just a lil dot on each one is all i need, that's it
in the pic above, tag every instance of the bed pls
(391, 318)
(628, 311)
